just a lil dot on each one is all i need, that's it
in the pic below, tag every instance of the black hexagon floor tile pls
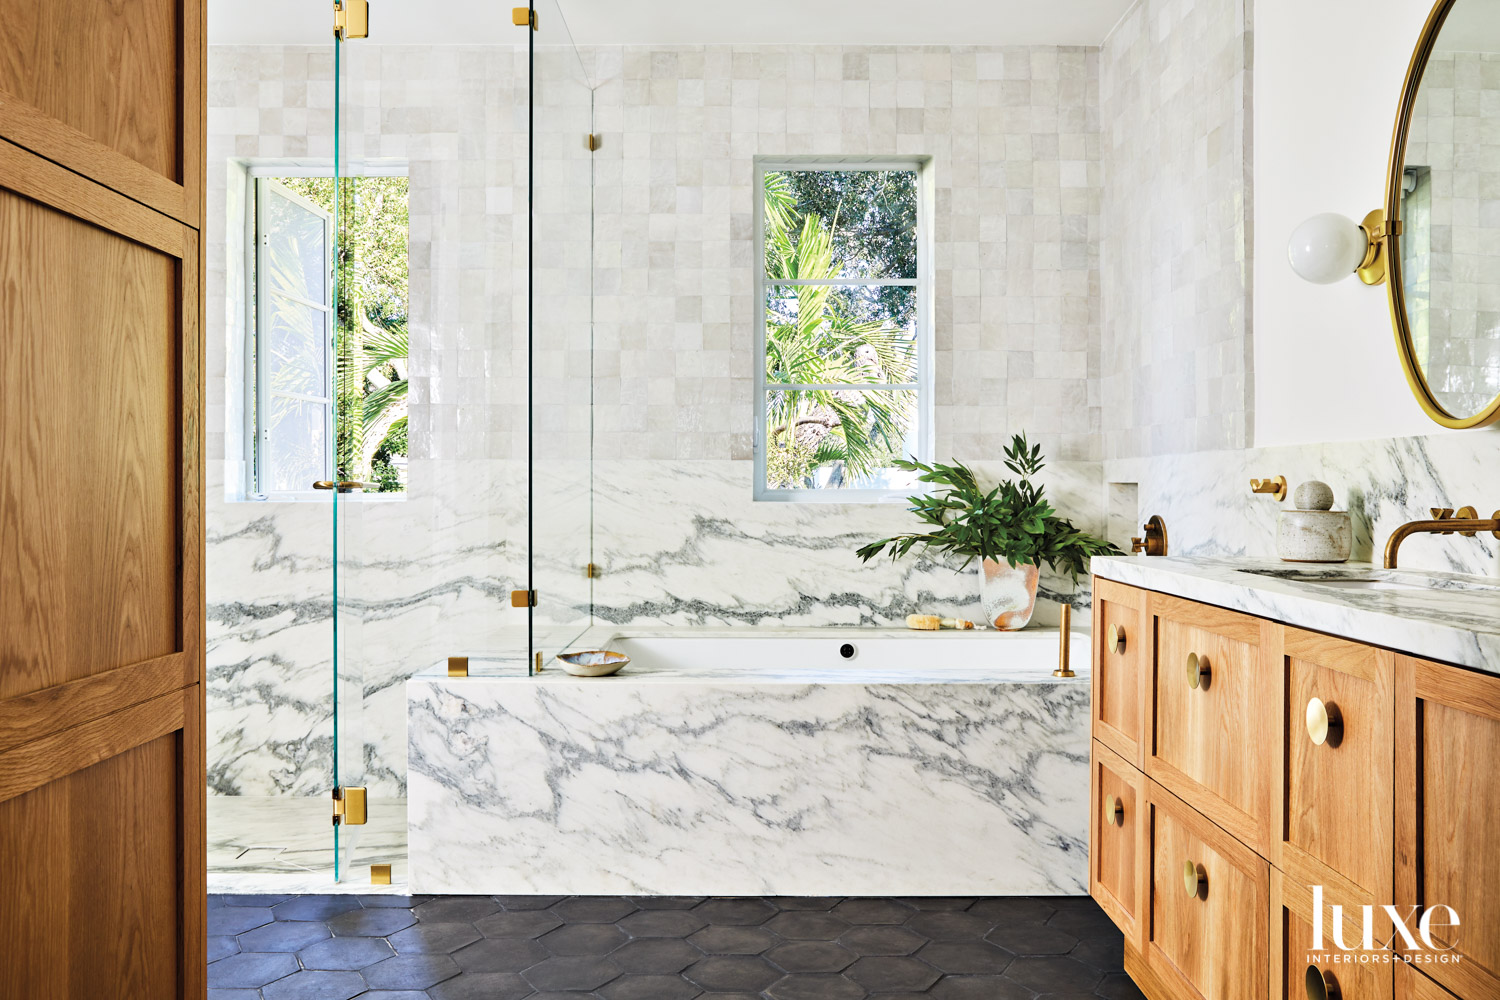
(662, 948)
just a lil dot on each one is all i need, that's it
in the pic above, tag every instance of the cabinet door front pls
(1336, 793)
(1121, 646)
(1117, 845)
(1448, 820)
(1307, 955)
(1213, 692)
(1209, 899)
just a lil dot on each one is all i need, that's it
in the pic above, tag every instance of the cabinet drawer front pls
(1355, 974)
(1339, 718)
(1212, 724)
(1119, 615)
(1118, 842)
(1212, 940)
(1448, 816)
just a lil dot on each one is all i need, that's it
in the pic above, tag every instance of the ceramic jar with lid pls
(1313, 532)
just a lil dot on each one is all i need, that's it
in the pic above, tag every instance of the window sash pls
(923, 283)
(262, 443)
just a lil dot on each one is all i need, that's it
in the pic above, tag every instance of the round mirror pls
(1443, 203)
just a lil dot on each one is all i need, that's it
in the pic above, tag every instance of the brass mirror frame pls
(1395, 293)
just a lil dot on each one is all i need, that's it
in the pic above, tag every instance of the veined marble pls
(761, 782)
(284, 844)
(1444, 616)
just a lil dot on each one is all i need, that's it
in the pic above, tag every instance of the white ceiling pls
(602, 22)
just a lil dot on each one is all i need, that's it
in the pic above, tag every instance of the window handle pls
(343, 485)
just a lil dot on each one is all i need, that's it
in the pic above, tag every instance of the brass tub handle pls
(1325, 723)
(1198, 672)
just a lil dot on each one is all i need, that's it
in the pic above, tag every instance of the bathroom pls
(480, 409)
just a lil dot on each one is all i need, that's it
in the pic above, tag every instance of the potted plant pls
(1011, 529)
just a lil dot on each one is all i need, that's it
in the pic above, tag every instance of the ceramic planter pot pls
(1008, 594)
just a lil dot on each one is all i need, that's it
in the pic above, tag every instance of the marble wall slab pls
(740, 788)
(1206, 501)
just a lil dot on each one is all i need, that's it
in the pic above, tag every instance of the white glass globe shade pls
(1327, 248)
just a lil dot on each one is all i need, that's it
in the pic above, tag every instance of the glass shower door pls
(560, 294)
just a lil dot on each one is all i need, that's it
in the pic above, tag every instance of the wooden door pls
(102, 786)
(1448, 821)
(1213, 712)
(1334, 804)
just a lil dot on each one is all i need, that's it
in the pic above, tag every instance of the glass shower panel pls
(560, 293)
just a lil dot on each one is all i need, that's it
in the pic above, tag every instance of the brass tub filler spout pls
(1466, 522)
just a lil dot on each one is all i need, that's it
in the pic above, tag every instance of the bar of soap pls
(926, 623)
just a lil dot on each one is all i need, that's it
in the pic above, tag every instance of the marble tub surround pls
(735, 781)
(1449, 617)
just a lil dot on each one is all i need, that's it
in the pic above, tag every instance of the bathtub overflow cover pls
(847, 650)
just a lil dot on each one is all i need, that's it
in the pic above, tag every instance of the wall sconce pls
(1330, 247)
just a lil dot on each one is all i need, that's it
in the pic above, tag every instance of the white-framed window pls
(844, 370)
(326, 346)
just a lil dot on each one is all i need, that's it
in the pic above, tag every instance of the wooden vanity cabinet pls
(1448, 816)
(1119, 843)
(1295, 930)
(1120, 677)
(1207, 935)
(1334, 808)
(1212, 711)
(1306, 760)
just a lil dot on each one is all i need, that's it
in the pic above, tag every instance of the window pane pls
(841, 223)
(840, 334)
(839, 439)
(296, 357)
(296, 443)
(296, 259)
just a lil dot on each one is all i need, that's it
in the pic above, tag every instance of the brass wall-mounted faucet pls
(1466, 522)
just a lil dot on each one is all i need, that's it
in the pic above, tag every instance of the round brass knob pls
(1114, 811)
(1197, 671)
(1322, 984)
(1194, 879)
(1114, 639)
(1324, 723)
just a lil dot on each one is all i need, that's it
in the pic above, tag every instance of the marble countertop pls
(1438, 616)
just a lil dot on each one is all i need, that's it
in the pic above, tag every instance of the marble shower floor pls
(284, 844)
(327, 947)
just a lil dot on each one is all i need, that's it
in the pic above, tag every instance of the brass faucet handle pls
(1441, 513)
(1275, 487)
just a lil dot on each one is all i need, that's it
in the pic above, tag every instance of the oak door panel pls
(1209, 742)
(1211, 944)
(1119, 671)
(1118, 841)
(90, 448)
(91, 882)
(112, 90)
(1336, 802)
(1448, 814)
(1295, 936)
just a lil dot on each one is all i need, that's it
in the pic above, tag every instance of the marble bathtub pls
(724, 764)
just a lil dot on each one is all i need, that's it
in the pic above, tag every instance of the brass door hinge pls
(349, 806)
(523, 598)
(593, 142)
(351, 19)
(522, 16)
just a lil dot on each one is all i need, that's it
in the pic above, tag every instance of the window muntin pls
(845, 292)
